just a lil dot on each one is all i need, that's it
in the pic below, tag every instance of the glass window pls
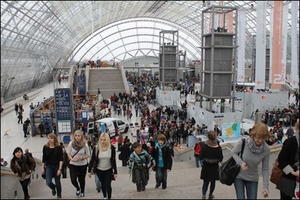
(120, 122)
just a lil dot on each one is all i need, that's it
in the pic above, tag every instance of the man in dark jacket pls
(163, 160)
(125, 152)
(41, 128)
(25, 129)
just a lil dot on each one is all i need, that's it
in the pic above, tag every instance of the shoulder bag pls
(229, 170)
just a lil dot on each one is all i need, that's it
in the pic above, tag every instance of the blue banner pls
(81, 85)
(63, 110)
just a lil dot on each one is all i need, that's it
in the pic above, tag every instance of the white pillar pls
(260, 62)
(241, 48)
(284, 37)
(271, 44)
(294, 64)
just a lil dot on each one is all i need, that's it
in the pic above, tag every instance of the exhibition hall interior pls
(149, 99)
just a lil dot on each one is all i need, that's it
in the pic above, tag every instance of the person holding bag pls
(103, 163)
(78, 152)
(256, 151)
(211, 155)
(138, 165)
(22, 165)
(288, 160)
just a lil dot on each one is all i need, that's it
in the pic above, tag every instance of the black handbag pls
(229, 170)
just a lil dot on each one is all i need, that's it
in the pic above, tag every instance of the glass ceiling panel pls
(58, 29)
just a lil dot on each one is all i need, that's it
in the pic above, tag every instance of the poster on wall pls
(64, 126)
(231, 130)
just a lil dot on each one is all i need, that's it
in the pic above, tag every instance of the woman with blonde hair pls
(288, 160)
(103, 164)
(52, 163)
(256, 151)
(78, 152)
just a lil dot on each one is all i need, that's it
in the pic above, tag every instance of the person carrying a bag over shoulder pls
(138, 165)
(211, 155)
(78, 152)
(103, 163)
(256, 151)
(288, 160)
(22, 165)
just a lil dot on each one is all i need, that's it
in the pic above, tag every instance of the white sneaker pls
(105, 198)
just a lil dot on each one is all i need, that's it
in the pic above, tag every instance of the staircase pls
(183, 183)
(108, 80)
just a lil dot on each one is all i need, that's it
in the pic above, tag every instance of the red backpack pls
(198, 149)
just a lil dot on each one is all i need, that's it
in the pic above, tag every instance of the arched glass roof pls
(42, 35)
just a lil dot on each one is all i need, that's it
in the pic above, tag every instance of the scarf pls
(253, 148)
(22, 162)
(77, 145)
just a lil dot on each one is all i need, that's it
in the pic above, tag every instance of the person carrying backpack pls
(197, 152)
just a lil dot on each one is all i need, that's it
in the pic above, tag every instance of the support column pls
(241, 48)
(277, 73)
(221, 16)
(284, 39)
(260, 63)
(295, 53)
(271, 46)
(230, 22)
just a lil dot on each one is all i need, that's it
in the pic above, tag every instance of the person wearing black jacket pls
(103, 164)
(125, 152)
(23, 166)
(163, 160)
(288, 160)
(52, 163)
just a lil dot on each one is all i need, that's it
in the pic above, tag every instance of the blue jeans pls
(251, 189)
(199, 162)
(161, 176)
(51, 172)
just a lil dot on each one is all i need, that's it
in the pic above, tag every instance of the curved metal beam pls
(134, 42)
(124, 21)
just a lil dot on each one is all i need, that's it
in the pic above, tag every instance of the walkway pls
(183, 181)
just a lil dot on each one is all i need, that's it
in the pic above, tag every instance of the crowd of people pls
(161, 129)
(286, 116)
(100, 160)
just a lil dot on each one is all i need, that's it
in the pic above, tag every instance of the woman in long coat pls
(211, 155)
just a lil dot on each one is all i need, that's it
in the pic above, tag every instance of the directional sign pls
(63, 109)
(81, 85)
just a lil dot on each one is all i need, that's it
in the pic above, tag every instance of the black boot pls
(139, 187)
(143, 187)
(157, 185)
(164, 185)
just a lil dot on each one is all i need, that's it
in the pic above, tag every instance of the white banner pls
(294, 67)
(260, 63)
(284, 39)
(241, 48)
(271, 44)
